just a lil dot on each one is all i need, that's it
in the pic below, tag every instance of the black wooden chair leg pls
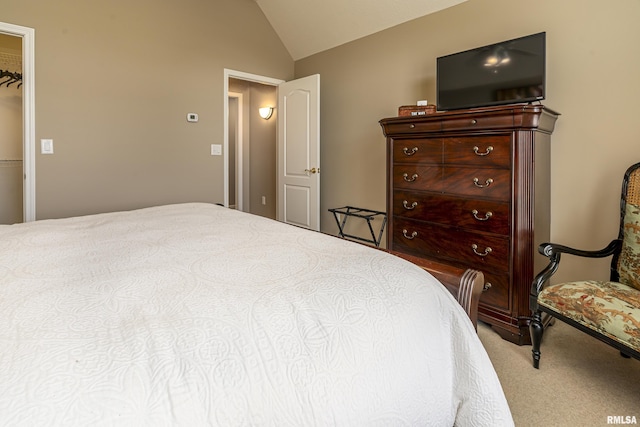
(536, 329)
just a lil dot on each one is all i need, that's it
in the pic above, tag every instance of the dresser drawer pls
(402, 127)
(477, 182)
(478, 121)
(488, 151)
(417, 177)
(497, 293)
(449, 243)
(428, 150)
(480, 215)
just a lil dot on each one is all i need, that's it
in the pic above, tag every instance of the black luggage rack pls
(366, 214)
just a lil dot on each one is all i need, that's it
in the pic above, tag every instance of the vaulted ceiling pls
(307, 27)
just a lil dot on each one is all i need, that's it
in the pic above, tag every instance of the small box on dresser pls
(471, 188)
(416, 110)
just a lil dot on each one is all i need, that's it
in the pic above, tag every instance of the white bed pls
(194, 315)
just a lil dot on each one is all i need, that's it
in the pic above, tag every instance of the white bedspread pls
(194, 315)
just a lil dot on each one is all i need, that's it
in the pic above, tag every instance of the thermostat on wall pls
(192, 117)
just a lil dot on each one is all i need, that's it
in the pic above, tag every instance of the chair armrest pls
(553, 252)
(551, 249)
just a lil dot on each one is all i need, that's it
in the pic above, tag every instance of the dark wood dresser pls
(470, 188)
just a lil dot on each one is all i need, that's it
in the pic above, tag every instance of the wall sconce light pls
(265, 112)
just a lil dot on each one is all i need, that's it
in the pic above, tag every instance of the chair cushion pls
(610, 308)
(629, 261)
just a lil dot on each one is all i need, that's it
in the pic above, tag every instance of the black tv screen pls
(508, 72)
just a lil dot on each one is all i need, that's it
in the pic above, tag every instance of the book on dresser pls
(471, 188)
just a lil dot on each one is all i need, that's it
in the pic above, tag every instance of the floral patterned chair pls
(607, 310)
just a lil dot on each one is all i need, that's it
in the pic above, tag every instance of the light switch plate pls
(216, 149)
(46, 146)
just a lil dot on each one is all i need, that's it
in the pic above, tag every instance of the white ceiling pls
(307, 27)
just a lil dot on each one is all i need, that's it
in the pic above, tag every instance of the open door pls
(298, 178)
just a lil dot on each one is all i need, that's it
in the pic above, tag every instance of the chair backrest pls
(626, 265)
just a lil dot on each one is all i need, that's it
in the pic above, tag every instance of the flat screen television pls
(508, 72)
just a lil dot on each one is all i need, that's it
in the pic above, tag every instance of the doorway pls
(250, 186)
(18, 169)
(11, 169)
(296, 125)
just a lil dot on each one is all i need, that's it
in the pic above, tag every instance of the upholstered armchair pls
(607, 310)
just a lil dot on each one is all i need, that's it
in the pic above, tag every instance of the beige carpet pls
(581, 381)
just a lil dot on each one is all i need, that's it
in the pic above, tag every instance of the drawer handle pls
(486, 216)
(411, 126)
(486, 252)
(476, 150)
(474, 122)
(406, 205)
(406, 177)
(411, 152)
(413, 235)
(487, 183)
(486, 287)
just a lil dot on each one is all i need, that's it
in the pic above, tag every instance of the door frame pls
(239, 150)
(28, 116)
(241, 75)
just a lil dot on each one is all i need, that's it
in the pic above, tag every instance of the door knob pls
(312, 170)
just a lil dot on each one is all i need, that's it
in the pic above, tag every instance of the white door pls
(299, 152)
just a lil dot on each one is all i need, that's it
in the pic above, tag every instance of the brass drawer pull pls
(486, 153)
(487, 183)
(406, 177)
(486, 252)
(474, 122)
(411, 152)
(413, 235)
(486, 216)
(407, 207)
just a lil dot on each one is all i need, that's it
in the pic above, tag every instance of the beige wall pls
(263, 152)
(114, 82)
(593, 64)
